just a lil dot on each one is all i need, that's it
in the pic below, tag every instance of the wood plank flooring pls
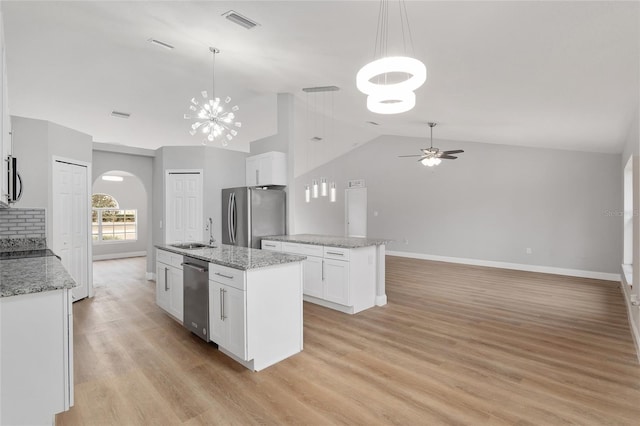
(456, 344)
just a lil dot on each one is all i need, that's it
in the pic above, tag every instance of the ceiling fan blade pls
(455, 151)
(410, 155)
(448, 157)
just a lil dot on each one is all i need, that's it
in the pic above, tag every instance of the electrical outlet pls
(528, 250)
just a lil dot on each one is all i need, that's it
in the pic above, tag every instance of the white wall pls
(142, 167)
(5, 123)
(131, 195)
(490, 204)
(35, 143)
(632, 150)
(222, 169)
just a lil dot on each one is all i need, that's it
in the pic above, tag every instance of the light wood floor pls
(455, 345)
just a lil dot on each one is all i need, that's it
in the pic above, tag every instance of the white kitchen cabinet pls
(169, 283)
(228, 324)
(36, 357)
(255, 316)
(335, 277)
(267, 169)
(336, 281)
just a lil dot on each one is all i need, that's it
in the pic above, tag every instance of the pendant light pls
(212, 116)
(386, 95)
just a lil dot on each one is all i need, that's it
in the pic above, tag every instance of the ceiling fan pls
(433, 156)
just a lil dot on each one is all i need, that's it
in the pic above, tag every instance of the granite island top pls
(33, 275)
(242, 258)
(328, 240)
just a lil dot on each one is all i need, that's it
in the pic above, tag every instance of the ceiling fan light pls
(391, 64)
(436, 161)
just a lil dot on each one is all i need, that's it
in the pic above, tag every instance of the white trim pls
(506, 265)
(625, 286)
(119, 255)
(150, 276)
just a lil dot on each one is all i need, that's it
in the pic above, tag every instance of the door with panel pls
(336, 281)
(313, 276)
(70, 222)
(184, 206)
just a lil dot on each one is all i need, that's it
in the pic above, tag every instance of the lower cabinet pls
(336, 281)
(228, 324)
(36, 357)
(338, 278)
(169, 284)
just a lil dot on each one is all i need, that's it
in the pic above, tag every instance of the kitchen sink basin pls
(191, 246)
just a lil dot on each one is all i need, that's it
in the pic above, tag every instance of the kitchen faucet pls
(210, 226)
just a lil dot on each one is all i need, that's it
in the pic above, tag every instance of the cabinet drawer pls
(229, 276)
(271, 245)
(336, 253)
(168, 258)
(304, 249)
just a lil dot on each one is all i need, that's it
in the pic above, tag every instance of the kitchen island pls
(36, 335)
(342, 273)
(255, 300)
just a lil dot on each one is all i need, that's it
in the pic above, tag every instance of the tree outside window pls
(109, 222)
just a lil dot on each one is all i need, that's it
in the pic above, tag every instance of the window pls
(109, 223)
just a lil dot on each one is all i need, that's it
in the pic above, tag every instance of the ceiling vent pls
(316, 138)
(243, 21)
(373, 123)
(119, 114)
(160, 43)
(321, 89)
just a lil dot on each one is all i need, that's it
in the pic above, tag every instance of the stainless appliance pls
(14, 181)
(248, 214)
(196, 296)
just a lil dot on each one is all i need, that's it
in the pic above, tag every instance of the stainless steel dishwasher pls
(196, 296)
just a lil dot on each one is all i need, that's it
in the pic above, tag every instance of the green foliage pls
(100, 201)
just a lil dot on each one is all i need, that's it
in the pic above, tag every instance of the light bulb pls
(315, 188)
(227, 99)
(238, 124)
(323, 187)
(437, 161)
(235, 108)
(307, 193)
(204, 94)
(332, 197)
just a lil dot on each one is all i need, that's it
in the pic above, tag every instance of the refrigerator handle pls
(234, 214)
(229, 218)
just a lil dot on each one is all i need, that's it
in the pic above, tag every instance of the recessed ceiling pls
(547, 74)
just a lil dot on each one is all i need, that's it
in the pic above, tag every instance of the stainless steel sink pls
(191, 246)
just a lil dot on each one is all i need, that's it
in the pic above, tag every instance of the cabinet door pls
(233, 314)
(336, 281)
(313, 276)
(162, 286)
(216, 324)
(176, 290)
(265, 172)
(252, 171)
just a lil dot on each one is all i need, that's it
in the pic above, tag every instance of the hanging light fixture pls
(212, 116)
(386, 95)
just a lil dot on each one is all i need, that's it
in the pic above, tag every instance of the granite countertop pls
(33, 275)
(236, 257)
(328, 240)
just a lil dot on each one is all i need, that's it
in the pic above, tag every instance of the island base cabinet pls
(169, 284)
(261, 325)
(336, 278)
(227, 324)
(36, 357)
(313, 276)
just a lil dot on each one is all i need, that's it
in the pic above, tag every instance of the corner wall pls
(489, 205)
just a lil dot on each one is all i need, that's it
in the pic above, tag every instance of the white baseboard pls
(381, 300)
(119, 255)
(150, 276)
(506, 265)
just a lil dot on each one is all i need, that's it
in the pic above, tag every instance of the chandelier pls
(212, 116)
(387, 95)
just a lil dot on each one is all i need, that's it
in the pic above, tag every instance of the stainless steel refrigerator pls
(248, 214)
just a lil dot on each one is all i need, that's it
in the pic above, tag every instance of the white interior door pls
(184, 206)
(356, 212)
(70, 222)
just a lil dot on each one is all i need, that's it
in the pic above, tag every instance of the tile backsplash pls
(22, 223)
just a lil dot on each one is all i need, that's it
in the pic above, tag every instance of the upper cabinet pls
(267, 169)
(5, 141)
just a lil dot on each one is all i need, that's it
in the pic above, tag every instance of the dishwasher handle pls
(196, 267)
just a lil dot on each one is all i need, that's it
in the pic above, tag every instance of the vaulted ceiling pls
(547, 74)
